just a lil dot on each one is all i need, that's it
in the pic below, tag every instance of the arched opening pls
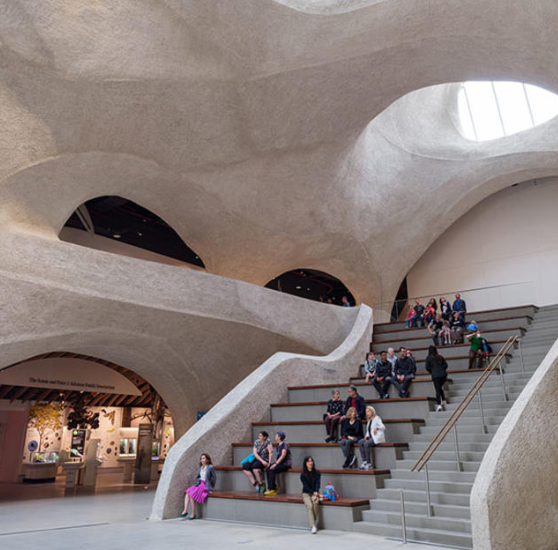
(63, 408)
(312, 285)
(121, 226)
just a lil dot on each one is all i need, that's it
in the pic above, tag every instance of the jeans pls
(365, 446)
(381, 387)
(347, 447)
(272, 472)
(438, 386)
(402, 387)
(417, 319)
(457, 334)
(312, 508)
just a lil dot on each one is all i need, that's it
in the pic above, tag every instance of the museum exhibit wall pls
(514, 500)
(230, 419)
(508, 241)
(110, 432)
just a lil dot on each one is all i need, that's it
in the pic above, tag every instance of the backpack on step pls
(329, 492)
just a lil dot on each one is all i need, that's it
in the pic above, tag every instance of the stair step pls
(439, 497)
(420, 521)
(435, 536)
(419, 484)
(444, 510)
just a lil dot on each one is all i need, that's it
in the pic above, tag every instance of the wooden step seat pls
(352, 483)
(421, 388)
(425, 376)
(283, 510)
(329, 455)
(313, 431)
(519, 320)
(410, 407)
(479, 316)
(448, 352)
(425, 339)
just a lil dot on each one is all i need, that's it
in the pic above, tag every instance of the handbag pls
(249, 459)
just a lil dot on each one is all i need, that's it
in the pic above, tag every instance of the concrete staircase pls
(450, 489)
(371, 500)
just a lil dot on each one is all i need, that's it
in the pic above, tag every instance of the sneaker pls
(386, 396)
(439, 408)
(346, 463)
(364, 466)
(314, 529)
(271, 492)
(327, 439)
(352, 461)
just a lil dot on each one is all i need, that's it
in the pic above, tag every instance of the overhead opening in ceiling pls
(490, 110)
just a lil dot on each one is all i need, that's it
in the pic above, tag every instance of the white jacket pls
(380, 436)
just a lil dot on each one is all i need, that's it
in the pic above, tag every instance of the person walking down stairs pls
(437, 366)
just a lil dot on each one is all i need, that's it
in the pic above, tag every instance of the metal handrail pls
(460, 409)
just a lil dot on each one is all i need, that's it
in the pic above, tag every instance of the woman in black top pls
(311, 479)
(351, 433)
(436, 365)
(333, 416)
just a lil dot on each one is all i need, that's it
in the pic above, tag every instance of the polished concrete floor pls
(114, 517)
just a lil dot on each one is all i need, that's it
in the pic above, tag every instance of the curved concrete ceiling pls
(270, 135)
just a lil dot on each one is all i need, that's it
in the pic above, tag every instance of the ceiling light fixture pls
(117, 235)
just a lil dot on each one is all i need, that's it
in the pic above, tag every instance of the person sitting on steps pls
(205, 481)
(282, 463)
(253, 470)
(475, 351)
(351, 433)
(382, 376)
(311, 479)
(457, 326)
(334, 414)
(405, 370)
(356, 401)
(436, 328)
(374, 433)
(370, 366)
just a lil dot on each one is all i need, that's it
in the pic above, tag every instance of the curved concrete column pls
(514, 501)
(231, 418)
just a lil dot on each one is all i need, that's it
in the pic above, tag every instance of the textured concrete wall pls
(511, 239)
(514, 501)
(230, 420)
(192, 335)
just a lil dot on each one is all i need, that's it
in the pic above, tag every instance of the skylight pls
(491, 110)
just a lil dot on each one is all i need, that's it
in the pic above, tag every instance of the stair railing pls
(450, 424)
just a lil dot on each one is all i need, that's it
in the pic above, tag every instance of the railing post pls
(459, 469)
(504, 392)
(483, 423)
(429, 510)
(521, 355)
(403, 519)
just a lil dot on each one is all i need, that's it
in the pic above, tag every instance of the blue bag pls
(249, 459)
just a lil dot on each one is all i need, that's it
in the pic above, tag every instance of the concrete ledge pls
(282, 511)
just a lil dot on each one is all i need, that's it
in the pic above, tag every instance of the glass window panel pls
(513, 106)
(465, 116)
(484, 110)
(544, 104)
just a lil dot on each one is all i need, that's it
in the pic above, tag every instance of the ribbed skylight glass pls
(491, 110)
